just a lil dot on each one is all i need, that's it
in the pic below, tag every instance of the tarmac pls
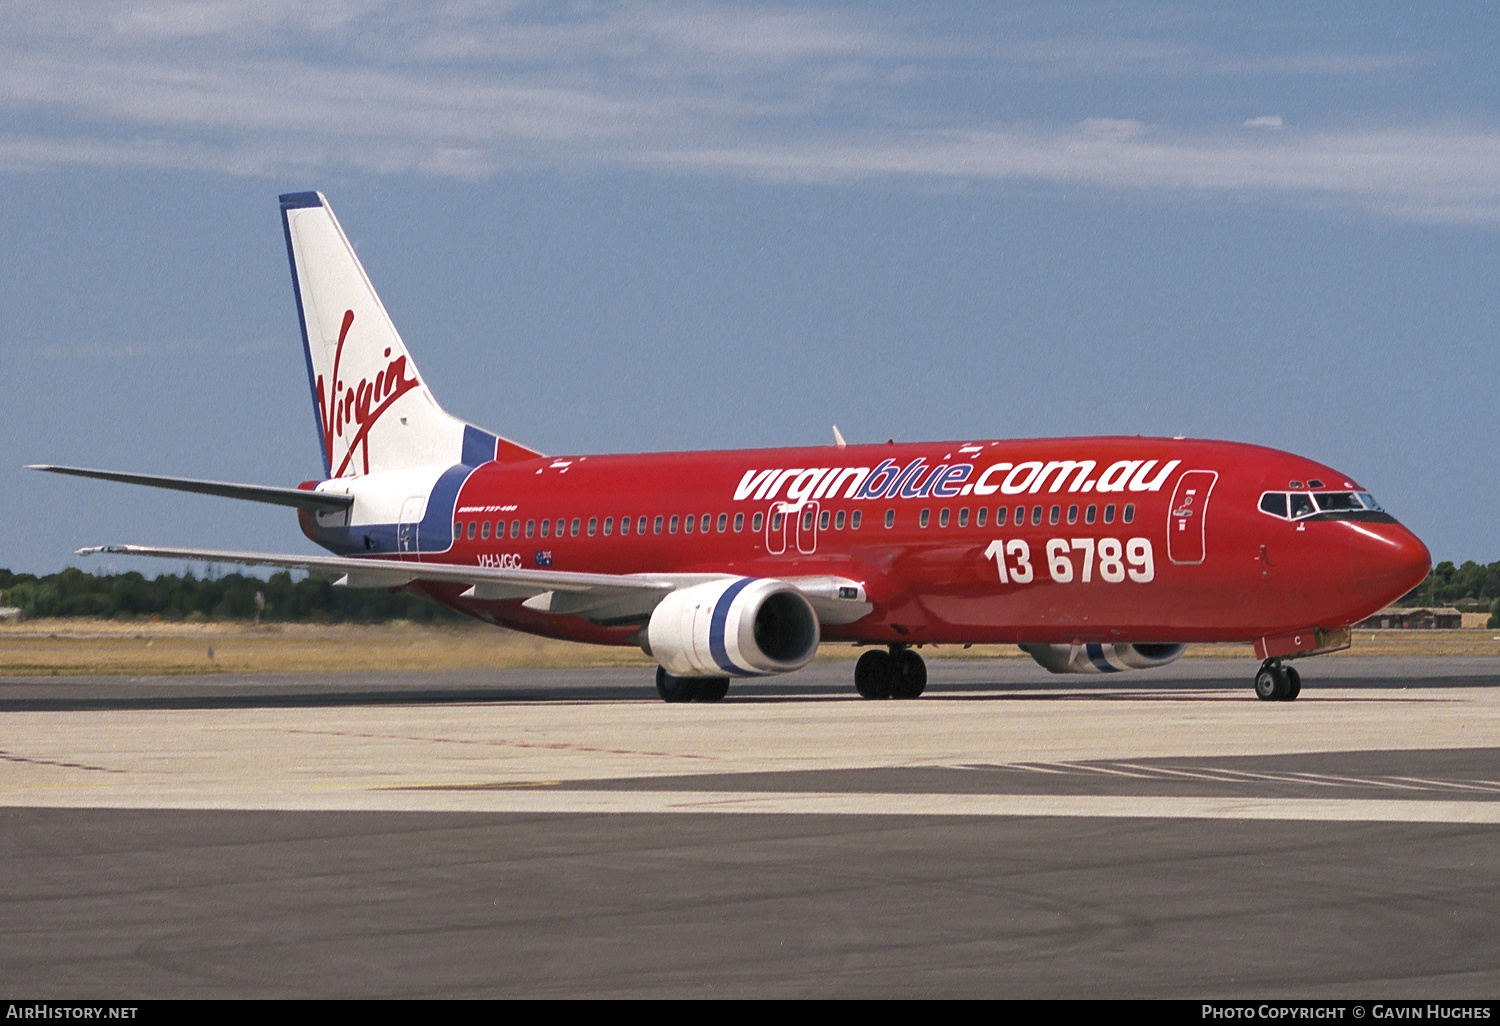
(564, 833)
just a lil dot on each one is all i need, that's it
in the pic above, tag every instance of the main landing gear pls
(690, 689)
(899, 673)
(1277, 683)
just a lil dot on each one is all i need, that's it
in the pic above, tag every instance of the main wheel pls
(873, 674)
(712, 689)
(1271, 684)
(1294, 684)
(676, 689)
(910, 676)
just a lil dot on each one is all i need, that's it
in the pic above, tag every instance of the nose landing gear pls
(1277, 683)
(899, 673)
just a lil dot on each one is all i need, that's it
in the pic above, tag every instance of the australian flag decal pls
(543, 559)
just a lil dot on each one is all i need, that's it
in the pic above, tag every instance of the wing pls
(603, 598)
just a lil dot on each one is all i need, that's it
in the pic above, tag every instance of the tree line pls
(230, 597)
(313, 599)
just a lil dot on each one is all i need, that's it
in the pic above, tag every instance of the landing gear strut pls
(1277, 683)
(899, 673)
(690, 689)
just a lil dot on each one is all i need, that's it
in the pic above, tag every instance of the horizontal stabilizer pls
(299, 498)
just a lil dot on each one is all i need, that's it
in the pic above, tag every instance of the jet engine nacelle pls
(745, 627)
(1101, 658)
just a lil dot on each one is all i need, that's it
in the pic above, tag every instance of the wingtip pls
(94, 550)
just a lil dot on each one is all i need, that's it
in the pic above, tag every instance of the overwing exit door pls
(1187, 525)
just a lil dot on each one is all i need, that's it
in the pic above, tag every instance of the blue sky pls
(670, 226)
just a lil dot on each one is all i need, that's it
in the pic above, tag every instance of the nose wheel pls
(1277, 683)
(898, 673)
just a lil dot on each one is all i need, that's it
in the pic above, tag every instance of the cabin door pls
(411, 517)
(1187, 520)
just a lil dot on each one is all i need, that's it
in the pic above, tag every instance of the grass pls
(107, 647)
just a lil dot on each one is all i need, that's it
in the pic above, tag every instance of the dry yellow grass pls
(75, 647)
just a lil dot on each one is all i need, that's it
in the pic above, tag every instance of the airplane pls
(1094, 555)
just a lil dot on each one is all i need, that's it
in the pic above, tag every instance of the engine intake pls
(1101, 658)
(745, 627)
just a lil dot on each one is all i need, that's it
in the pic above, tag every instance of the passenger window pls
(593, 525)
(640, 525)
(723, 522)
(609, 524)
(807, 520)
(624, 526)
(775, 521)
(472, 524)
(854, 520)
(1088, 514)
(1000, 514)
(656, 525)
(979, 516)
(838, 521)
(562, 523)
(1274, 503)
(546, 528)
(1021, 516)
(1053, 513)
(484, 529)
(923, 520)
(963, 517)
(1036, 515)
(1109, 513)
(574, 530)
(1129, 513)
(687, 524)
(823, 521)
(1072, 514)
(890, 519)
(1301, 505)
(739, 522)
(943, 517)
(530, 528)
(672, 524)
(703, 524)
(756, 521)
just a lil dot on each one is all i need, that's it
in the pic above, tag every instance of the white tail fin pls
(374, 411)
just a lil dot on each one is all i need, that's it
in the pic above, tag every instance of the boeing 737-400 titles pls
(1095, 555)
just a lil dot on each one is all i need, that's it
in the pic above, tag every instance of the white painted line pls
(551, 801)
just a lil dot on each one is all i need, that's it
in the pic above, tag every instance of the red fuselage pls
(1032, 541)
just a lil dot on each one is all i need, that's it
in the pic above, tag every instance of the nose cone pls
(1387, 561)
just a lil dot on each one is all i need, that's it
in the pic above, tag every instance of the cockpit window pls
(1323, 505)
(1336, 500)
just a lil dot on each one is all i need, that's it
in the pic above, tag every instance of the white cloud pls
(781, 93)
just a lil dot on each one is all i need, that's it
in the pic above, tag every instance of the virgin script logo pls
(359, 406)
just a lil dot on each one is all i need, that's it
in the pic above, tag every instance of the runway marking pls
(554, 802)
(1234, 776)
(557, 746)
